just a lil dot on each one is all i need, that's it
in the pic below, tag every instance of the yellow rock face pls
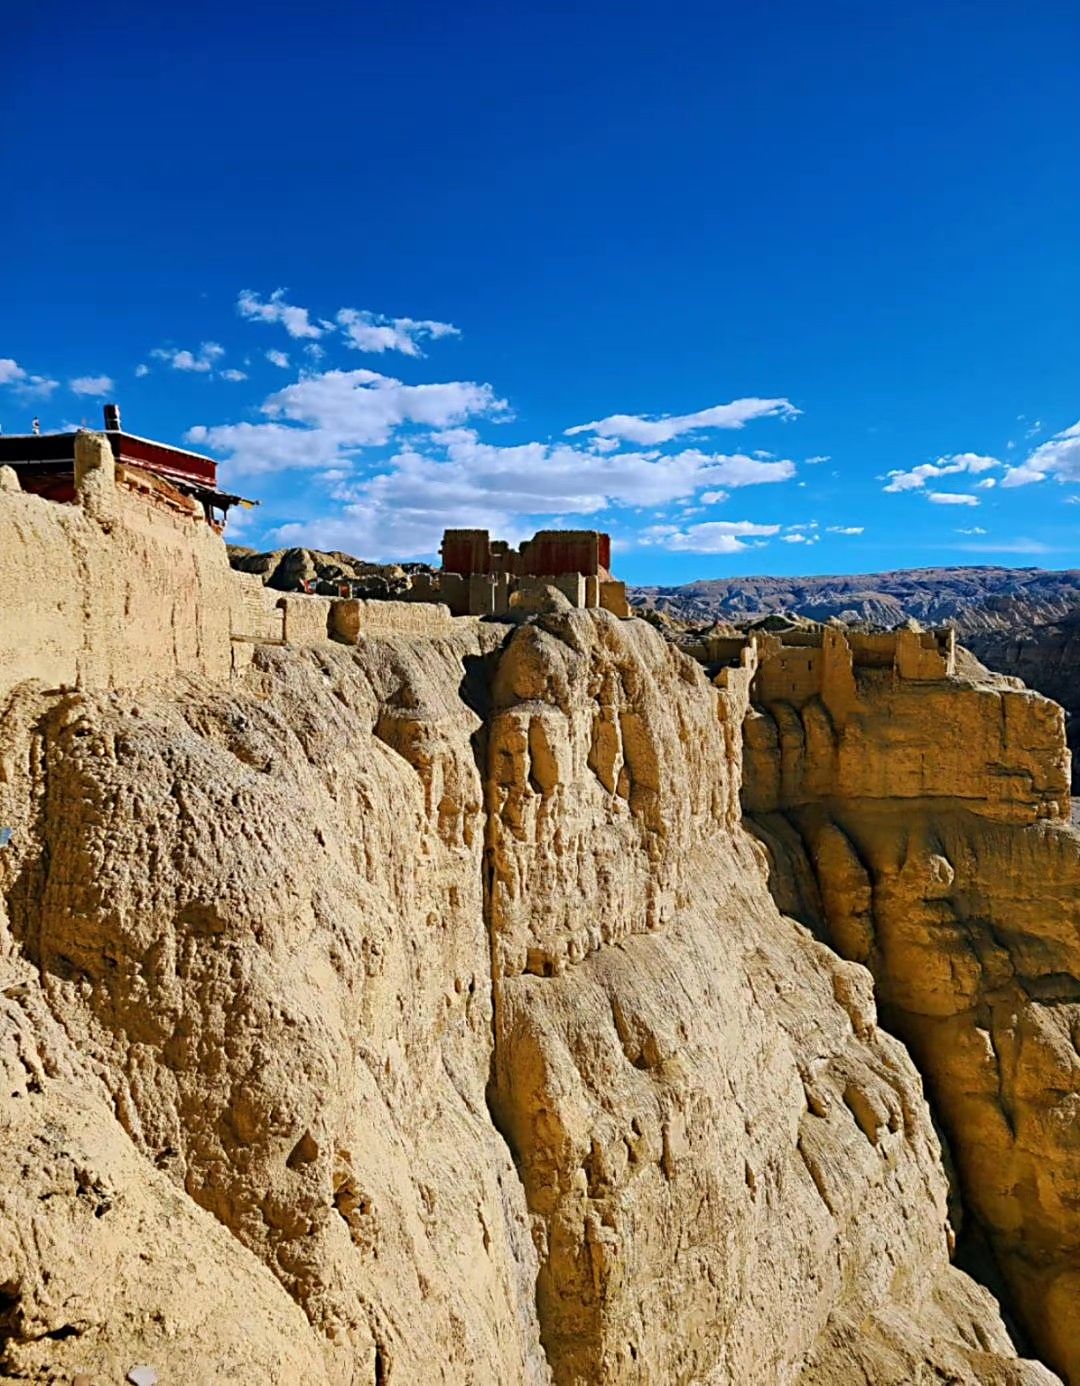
(931, 828)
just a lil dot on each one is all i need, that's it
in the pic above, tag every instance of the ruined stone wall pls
(256, 613)
(115, 590)
(794, 675)
(353, 618)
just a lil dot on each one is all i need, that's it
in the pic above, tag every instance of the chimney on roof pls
(112, 418)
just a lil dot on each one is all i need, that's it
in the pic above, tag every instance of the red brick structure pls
(485, 577)
(549, 553)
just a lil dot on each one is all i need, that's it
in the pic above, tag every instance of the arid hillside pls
(971, 599)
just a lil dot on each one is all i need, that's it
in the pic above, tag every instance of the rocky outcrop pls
(1045, 656)
(418, 1012)
(289, 570)
(256, 915)
(415, 1009)
(924, 833)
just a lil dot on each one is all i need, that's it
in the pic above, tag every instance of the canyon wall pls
(417, 1010)
(923, 831)
(1046, 655)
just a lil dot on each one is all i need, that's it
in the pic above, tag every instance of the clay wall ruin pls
(123, 589)
(114, 590)
(352, 619)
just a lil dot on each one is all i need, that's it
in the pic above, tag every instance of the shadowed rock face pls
(419, 1011)
(921, 842)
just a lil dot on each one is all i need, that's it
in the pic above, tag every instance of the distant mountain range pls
(972, 599)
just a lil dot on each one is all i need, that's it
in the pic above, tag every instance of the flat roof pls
(52, 446)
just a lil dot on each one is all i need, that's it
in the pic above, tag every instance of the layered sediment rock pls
(1046, 655)
(924, 832)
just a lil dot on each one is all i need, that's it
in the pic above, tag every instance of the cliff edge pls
(393, 1005)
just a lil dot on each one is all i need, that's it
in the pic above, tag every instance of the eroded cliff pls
(922, 829)
(415, 1009)
(287, 958)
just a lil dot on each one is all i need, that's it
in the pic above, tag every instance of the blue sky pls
(778, 288)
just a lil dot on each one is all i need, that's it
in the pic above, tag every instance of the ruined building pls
(485, 577)
(170, 477)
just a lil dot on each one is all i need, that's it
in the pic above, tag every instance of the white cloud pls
(1023, 475)
(142, 369)
(278, 358)
(975, 529)
(200, 362)
(443, 474)
(1057, 459)
(23, 384)
(714, 536)
(798, 537)
(233, 375)
(713, 497)
(987, 484)
(952, 498)
(636, 428)
(95, 385)
(320, 420)
(373, 332)
(971, 463)
(314, 351)
(813, 461)
(296, 321)
(1011, 546)
(846, 529)
(735, 469)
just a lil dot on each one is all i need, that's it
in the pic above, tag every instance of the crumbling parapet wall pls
(113, 591)
(257, 615)
(306, 619)
(913, 654)
(822, 662)
(352, 619)
(611, 595)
